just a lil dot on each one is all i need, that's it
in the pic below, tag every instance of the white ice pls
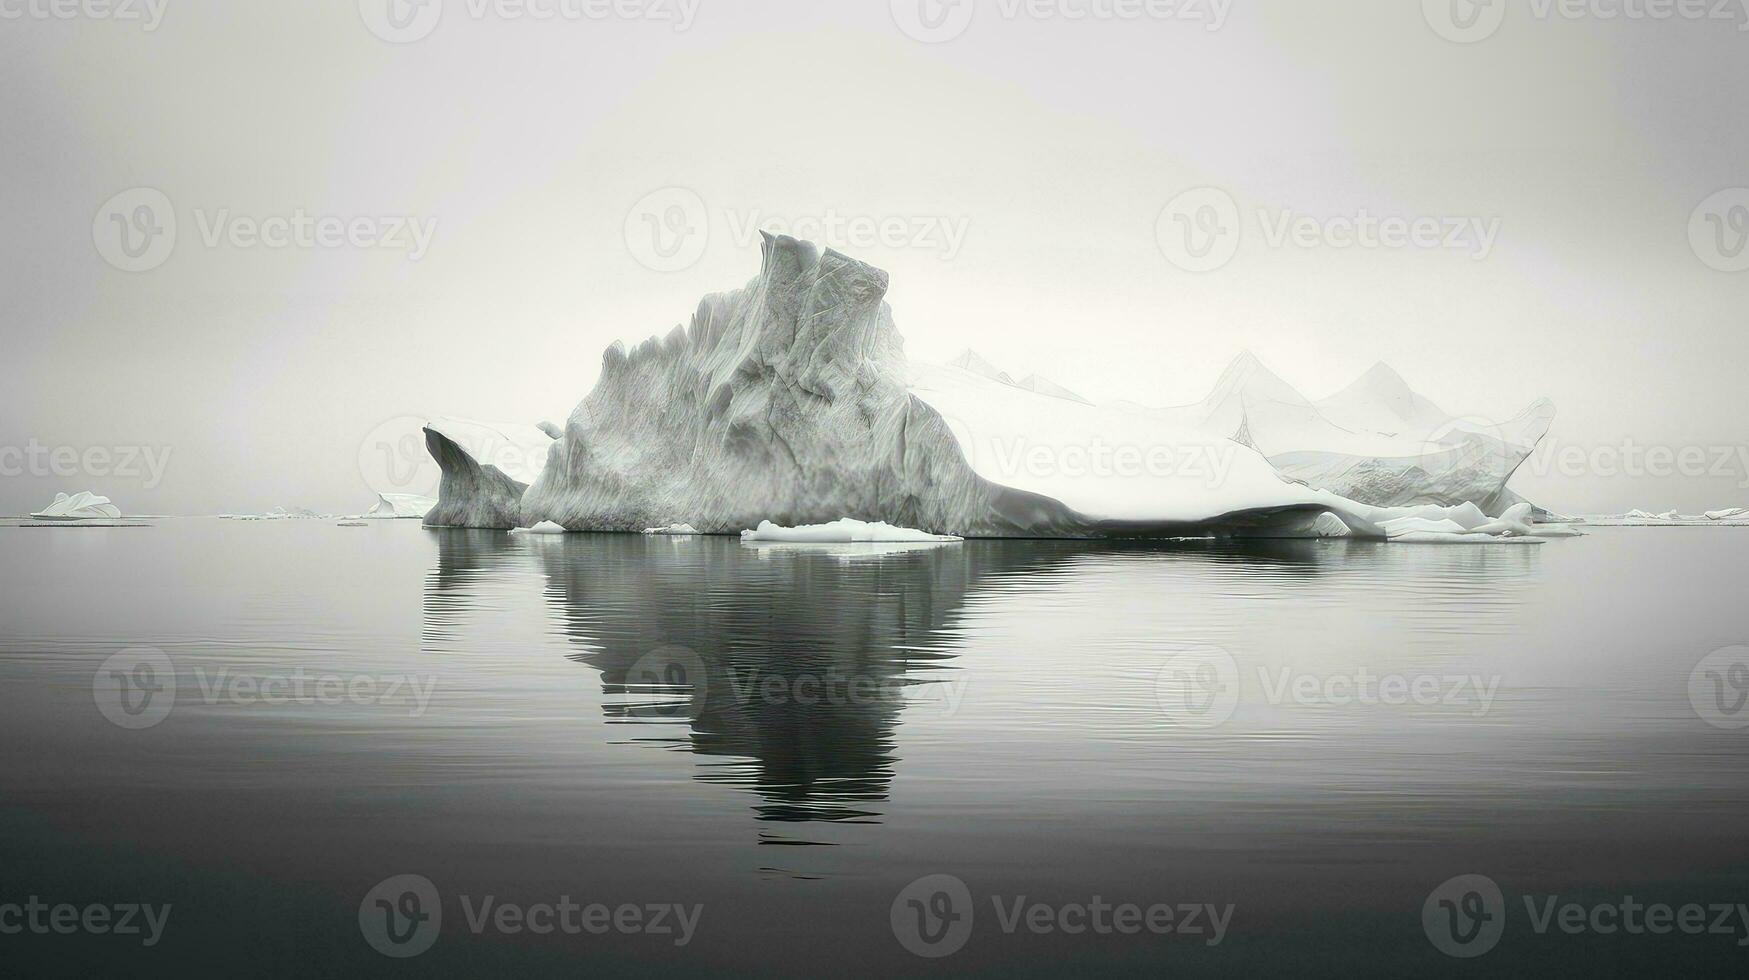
(400, 506)
(844, 531)
(672, 529)
(80, 506)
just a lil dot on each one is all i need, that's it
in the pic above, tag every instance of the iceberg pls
(82, 506)
(544, 527)
(790, 403)
(1728, 514)
(845, 531)
(1376, 442)
(400, 506)
(672, 529)
(487, 468)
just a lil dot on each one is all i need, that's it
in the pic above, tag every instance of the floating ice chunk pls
(1730, 513)
(845, 531)
(672, 529)
(400, 506)
(544, 527)
(80, 506)
(1439, 537)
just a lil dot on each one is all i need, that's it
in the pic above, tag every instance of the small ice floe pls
(672, 529)
(544, 527)
(353, 524)
(1466, 524)
(844, 531)
(83, 506)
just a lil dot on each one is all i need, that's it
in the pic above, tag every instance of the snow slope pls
(1376, 441)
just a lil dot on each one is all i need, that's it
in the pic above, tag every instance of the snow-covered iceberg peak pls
(82, 506)
(784, 400)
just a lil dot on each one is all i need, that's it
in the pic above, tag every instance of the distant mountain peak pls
(971, 360)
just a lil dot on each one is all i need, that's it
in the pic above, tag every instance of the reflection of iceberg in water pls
(789, 666)
(789, 670)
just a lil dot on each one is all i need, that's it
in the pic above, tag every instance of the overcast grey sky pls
(487, 195)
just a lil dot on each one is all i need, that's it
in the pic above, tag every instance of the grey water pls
(1302, 741)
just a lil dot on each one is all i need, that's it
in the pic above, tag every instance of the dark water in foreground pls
(757, 751)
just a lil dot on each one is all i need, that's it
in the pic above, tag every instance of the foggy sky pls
(525, 145)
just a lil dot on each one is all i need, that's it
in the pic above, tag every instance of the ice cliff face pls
(487, 468)
(782, 401)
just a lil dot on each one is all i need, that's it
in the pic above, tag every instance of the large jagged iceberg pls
(791, 401)
(82, 506)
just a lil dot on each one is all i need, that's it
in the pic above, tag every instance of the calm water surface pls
(789, 737)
